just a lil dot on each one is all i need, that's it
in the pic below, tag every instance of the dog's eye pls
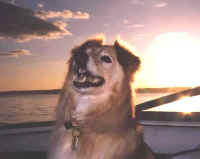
(106, 59)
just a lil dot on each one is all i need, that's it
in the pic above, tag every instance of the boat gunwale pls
(28, 125)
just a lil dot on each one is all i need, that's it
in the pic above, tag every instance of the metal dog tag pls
(75, 140)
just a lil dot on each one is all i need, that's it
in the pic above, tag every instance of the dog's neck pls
(105, 117)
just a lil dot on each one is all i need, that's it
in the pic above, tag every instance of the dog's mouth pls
(88, 80)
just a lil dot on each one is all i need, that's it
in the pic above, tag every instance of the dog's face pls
(94, 69)
(98, 77)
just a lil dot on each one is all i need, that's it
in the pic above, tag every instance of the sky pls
(36, 36)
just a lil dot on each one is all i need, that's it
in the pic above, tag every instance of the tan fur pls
(102, 114)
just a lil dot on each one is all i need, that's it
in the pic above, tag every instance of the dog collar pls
(75, 134)
(68, 125)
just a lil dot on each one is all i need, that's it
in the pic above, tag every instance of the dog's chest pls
(83, 105)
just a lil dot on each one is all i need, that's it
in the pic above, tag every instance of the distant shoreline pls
(57, 91)
(162, 90)
(30, 92)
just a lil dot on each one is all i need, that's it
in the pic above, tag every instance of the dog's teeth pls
(95, 80)
(75, 78)
(83, 79)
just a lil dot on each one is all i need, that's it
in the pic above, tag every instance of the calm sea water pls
(39, 107)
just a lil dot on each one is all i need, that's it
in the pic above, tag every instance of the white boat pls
(170, 135)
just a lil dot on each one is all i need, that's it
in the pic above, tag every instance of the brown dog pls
(94, 111)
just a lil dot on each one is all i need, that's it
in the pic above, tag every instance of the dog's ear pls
(127, 59)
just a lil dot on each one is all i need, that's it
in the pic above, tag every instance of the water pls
(39, 107)
(28, 108)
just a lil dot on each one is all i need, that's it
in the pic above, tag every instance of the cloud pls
(21, 24)
(10, 1)
(150, 3)
(65, 14)
(40, 5)
(61, 25)
(136, 26)
(80, 15)
(129, 25)
(161, 5)
(142, 36)
(16, 53)
(24, 25)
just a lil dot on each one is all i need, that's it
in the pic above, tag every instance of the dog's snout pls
(81, 60)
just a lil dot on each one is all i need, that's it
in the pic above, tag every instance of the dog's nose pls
(81, 59)
(80, 63)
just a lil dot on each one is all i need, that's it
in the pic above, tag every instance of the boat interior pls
(170, 135)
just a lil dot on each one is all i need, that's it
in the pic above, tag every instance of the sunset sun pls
(174, 59)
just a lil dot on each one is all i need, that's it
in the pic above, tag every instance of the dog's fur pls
(98, 100)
